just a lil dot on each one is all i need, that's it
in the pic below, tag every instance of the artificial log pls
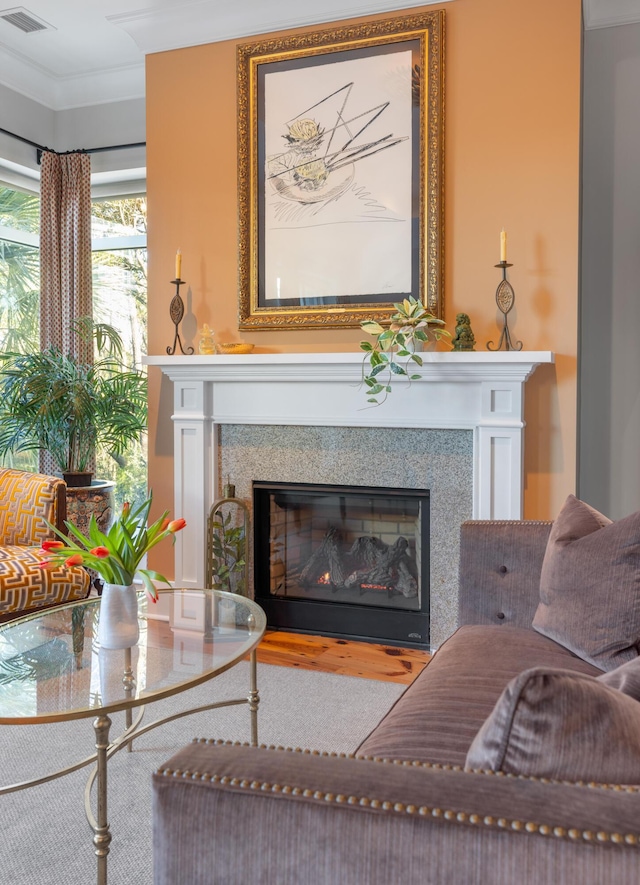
(325, 559)
(369, 563)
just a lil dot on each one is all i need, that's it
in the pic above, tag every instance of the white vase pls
(118, 623)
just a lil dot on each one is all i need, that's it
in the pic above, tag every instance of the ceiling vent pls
(24, 20)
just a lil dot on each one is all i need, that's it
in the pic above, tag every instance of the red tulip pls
(176, 525)
(165, 524)
(46, 564)
(100, 552)
(52, 545)
(76, 559)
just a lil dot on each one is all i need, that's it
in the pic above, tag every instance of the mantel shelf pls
(341, 367)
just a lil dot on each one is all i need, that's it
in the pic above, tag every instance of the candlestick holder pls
(505, 299)
(176, 312)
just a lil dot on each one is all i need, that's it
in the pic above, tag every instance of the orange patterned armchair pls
(27, 502)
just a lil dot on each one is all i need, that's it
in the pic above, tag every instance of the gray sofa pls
(403, 809)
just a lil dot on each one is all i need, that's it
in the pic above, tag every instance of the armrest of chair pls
(281, 816)
(27, 502)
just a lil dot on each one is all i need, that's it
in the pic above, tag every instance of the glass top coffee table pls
(52, 669)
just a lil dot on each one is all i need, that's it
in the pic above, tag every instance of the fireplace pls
(343, 560)
(458, 430)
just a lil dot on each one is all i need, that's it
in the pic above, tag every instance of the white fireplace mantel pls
(481, 392)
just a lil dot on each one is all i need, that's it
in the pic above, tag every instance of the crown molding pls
(178, 25)
(100, 87)
(196, 22)
(63, 93)
(25, 78)
(610, 13)
(160, 30)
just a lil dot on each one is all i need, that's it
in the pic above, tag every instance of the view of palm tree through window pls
(119, 255)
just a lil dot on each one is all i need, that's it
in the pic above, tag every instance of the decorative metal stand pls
(227, 560)
(176, 312)
(505, 299)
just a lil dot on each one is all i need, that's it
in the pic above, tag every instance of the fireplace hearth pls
(345, 561)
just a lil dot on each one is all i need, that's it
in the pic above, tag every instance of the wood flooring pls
(345, 656)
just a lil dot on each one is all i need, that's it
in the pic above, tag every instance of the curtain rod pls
(40, 149)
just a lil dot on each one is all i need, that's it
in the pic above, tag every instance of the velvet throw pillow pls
(590, 585)
(561, 725)
(625, 678)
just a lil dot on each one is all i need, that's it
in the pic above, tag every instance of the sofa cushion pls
(562, 725)
(438, 716)
(590, 585)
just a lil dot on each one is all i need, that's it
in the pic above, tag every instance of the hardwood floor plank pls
(345, 656)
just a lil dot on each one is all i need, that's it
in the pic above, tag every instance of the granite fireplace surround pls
(303, 418)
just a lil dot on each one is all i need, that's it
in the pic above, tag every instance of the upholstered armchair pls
(27, 502)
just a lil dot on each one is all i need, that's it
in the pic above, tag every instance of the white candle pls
(503, 245)
(178, 264)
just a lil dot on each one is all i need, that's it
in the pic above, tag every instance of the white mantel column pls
(194, 460)
(498, 455)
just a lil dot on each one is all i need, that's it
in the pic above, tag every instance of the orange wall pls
(512, 103)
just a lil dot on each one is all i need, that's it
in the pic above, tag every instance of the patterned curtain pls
(65, 255)
(65, 249)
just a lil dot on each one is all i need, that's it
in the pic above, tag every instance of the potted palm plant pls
(55, 402)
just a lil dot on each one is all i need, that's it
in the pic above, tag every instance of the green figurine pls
(464, 338)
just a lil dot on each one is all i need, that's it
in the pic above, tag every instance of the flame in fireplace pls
(324, 579)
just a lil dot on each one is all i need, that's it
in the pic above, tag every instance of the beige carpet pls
(45, 837)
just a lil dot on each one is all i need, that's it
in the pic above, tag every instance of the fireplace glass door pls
(343, 560)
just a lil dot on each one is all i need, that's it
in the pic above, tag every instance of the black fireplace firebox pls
(346, 561)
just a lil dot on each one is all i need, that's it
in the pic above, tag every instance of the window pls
(118, 242)
(19, 270)
(118, 234)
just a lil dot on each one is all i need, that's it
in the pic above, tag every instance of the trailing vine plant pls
(395, 348)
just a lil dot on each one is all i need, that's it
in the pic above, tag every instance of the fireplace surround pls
(458, 430)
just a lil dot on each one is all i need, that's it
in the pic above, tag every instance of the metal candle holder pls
(176, 312)
(505, 299)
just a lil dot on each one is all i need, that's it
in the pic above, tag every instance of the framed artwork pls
(340, 141)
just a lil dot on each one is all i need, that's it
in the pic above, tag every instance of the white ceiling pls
(93, 52)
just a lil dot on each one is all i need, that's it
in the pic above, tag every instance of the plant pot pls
(426, 346)
(118, 624)
(77, 480)
(83, 502)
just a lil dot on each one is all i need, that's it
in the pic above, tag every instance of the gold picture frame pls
(340, 150)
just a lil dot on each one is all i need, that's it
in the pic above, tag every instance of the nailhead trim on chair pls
(572, 833)
(415, 763)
